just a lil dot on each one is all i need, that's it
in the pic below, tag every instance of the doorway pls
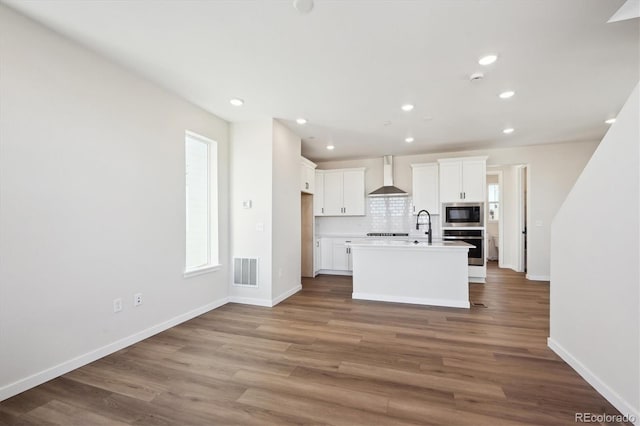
(306, 234)
(506, 212)
(494, 214)
(523, 201)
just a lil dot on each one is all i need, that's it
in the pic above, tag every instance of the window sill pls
(201, 271)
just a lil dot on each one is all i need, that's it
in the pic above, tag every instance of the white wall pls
(265, 168)
(287, 225)
(92, 206)
(595, 277)
(552, 170)
(251, 229)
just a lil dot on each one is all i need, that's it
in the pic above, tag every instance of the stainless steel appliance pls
(387, 234)
(471, 236)
(462, 214)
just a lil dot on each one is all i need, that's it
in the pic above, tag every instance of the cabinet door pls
(474, 178)
(310, 179)
(451, 181)
(340, 257)
(318, 194)
(326, 253)
(333, 194)
(426, 189)
(353, 182)
(305, 185)
(317, 255)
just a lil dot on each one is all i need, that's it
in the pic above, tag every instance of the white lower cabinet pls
(341, 256)
(326, 253)
(334, 255)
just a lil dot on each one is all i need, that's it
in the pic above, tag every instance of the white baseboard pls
(286, 295)
(265, 302)
(79, 361)
(250, 301)
(603, 389)
(478, 280)
(334, 272)
(538, 277)
(413, 300)
(508, 266)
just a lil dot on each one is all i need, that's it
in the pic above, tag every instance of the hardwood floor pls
(320, 357)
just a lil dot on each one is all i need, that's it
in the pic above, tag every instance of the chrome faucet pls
(418, 224)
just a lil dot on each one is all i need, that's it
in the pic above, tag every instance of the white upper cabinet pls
(463, 179)
(342, 193)
(353, 195)
(333, 191)
(318, 194)
(474, 180)
(307, 175)
(425, 188)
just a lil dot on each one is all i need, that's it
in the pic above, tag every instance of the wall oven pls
(462, 214)
(474, 237)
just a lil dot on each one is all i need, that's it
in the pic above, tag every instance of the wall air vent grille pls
(245, 271)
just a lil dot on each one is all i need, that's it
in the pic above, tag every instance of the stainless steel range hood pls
(388, 190)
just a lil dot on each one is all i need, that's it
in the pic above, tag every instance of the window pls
(493, 195)
(201, 190)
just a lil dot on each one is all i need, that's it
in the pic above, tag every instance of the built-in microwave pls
(462, 214)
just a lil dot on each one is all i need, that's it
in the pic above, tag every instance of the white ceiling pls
(348, 66)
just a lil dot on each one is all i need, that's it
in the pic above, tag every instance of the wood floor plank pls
(320, 357)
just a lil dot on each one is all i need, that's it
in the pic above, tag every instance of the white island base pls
(404, 272)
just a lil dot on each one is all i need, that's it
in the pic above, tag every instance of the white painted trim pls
(250, 301)
(200, 271)
(79, 361)
(509, 266)
(412, 300)
(334, 272)
(477, 280)
(286, 295)
(538, 277)
(600, 386)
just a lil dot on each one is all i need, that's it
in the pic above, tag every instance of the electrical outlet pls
(117, 304)
(137, 299)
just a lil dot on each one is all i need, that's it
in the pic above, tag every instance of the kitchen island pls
(411, 272)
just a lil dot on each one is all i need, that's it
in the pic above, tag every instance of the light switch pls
(246, 204)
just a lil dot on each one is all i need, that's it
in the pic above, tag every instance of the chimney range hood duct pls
(388, 190)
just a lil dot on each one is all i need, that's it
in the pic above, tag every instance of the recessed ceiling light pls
(301, 121)
(330, 147)
(303, 6)
(487, 60)
(236, 102)
(409, 139)
(508, 130)
(610, 121)
(407, 107)
(507, 94)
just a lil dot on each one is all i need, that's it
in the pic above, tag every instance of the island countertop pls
(403, 271)
(411, 244)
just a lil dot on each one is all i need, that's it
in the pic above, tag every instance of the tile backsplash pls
(384, 214)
